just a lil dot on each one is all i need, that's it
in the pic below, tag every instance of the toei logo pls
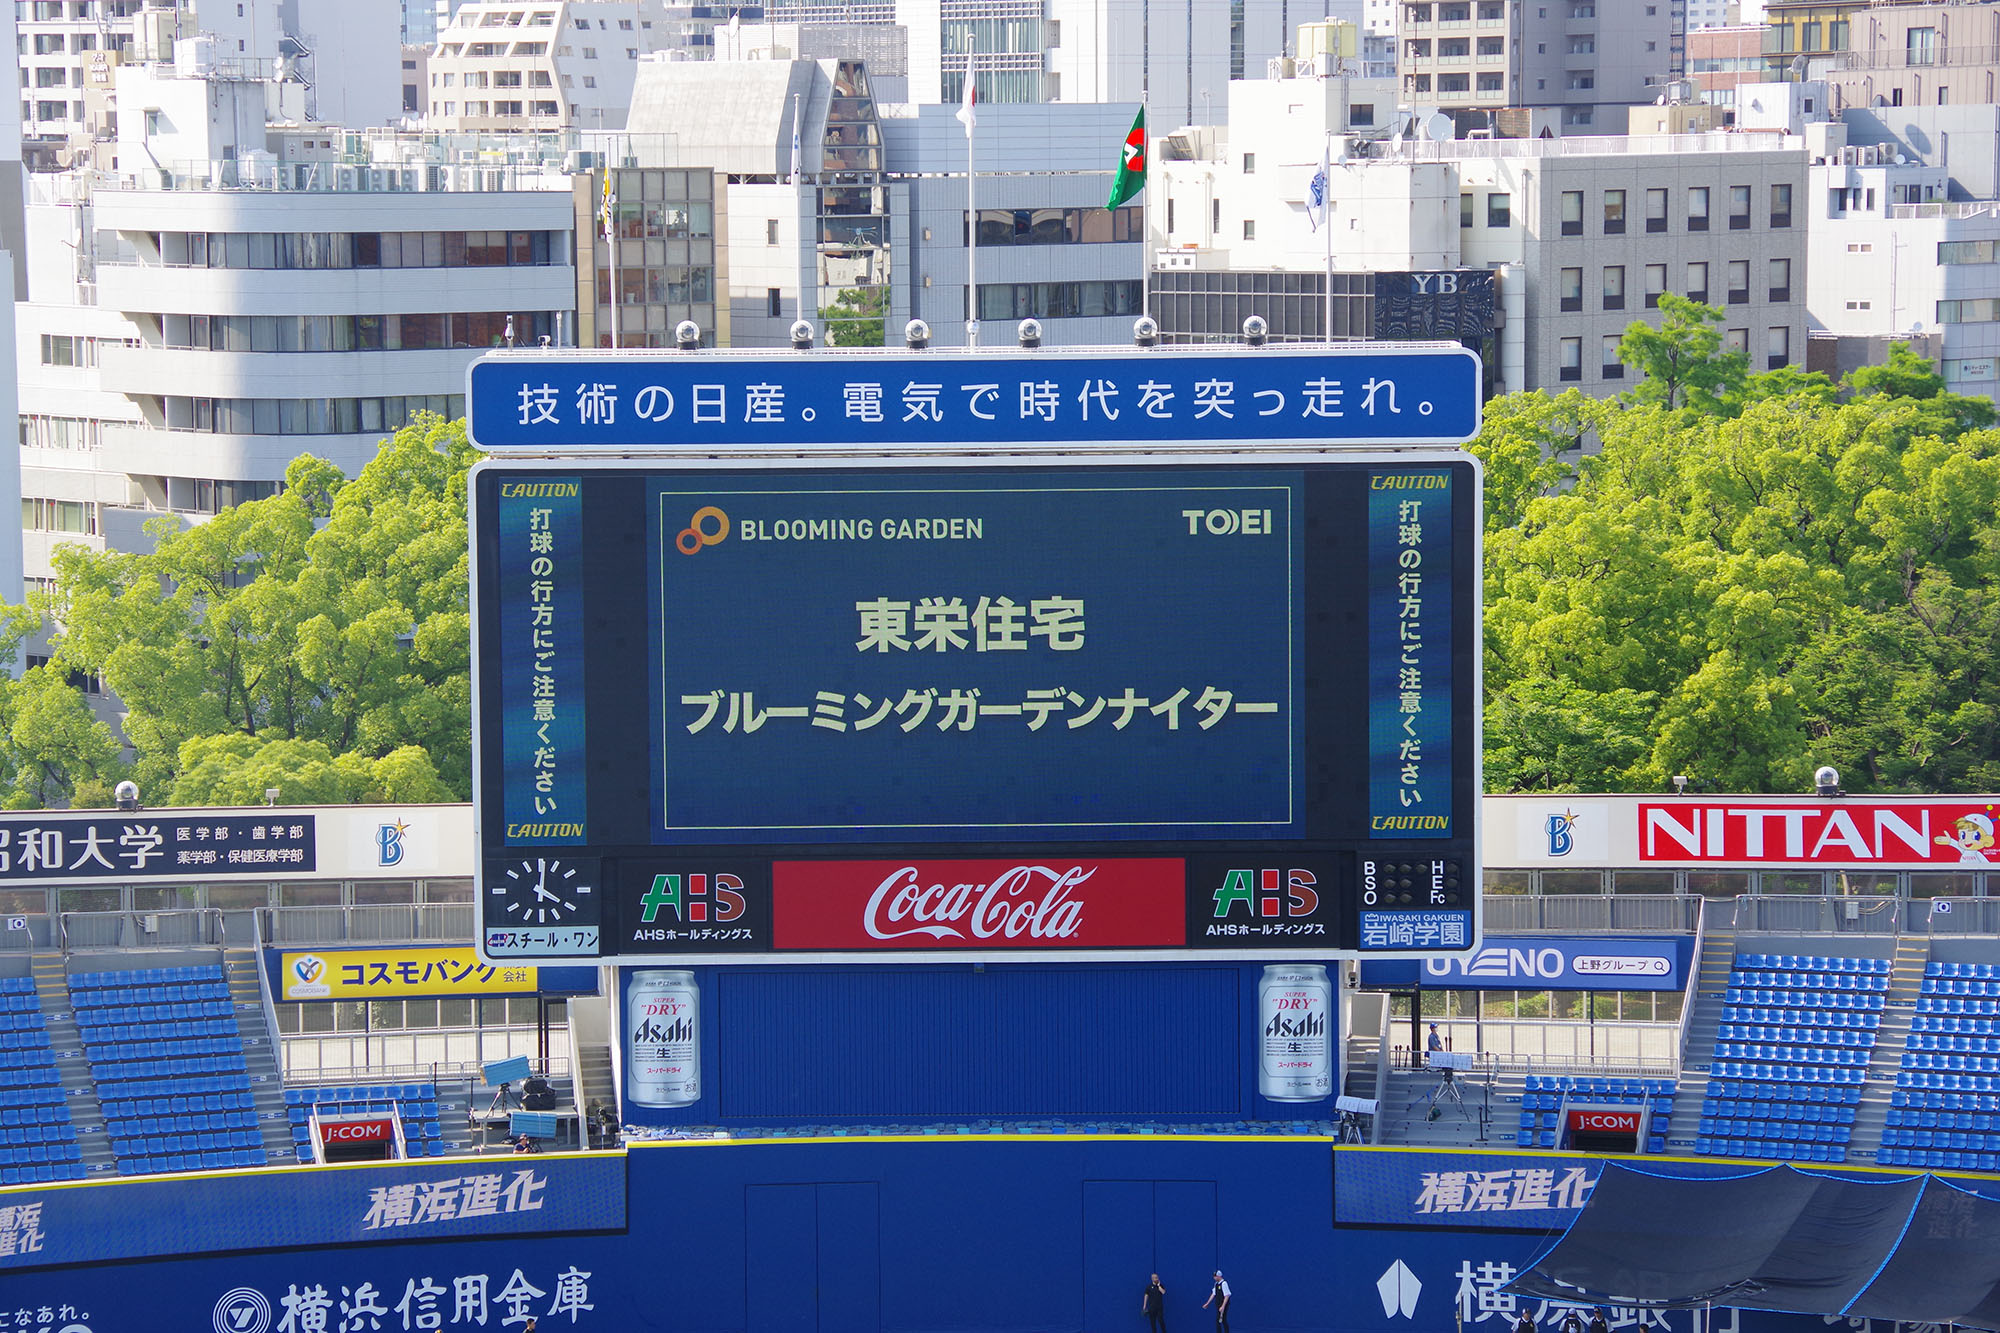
(708, 526)
(1268, 893)
(690, 898)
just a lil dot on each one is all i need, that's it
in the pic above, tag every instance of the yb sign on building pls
(945, 705)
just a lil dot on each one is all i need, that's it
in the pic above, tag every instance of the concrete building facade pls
(1581, 61)
(553, 65)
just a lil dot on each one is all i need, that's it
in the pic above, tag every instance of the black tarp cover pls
(1917, 1249)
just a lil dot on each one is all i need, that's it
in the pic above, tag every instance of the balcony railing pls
(376, 924)
(1513, 914)
(1905, 59)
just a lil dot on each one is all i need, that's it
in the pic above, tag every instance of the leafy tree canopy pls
(1752, 575)
(316, 641)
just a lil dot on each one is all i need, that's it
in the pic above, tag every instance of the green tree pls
(858, 317)
(1683, 359)
(323, 631)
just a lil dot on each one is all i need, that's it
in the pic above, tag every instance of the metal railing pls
(1804, 914)
(1510, 914)
(382, 923)
(174, 929)
(1956, 916)
(1538, 1045)
(1608, 145)
(1693, 981)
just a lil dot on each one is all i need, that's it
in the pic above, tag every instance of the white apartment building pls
(1893, 259)
(1583, 233)
(879, 221)
(12, 269)
(551, 65)
(180, 344)
(343, 55)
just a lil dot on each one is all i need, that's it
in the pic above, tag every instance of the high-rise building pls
(185, 336)
(12, 272)
(1565, 66)
(539, 64)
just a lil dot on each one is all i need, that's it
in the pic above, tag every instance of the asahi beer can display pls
(1294, 1009)
(663, 1039)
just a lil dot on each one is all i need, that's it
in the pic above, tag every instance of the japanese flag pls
(966, 115)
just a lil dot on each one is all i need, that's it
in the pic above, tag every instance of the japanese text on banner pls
(541, 659)
(1409, 654)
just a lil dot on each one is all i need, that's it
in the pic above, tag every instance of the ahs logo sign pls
(694, 898)
(1268, 893)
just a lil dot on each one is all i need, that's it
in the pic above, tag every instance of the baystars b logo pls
(389, 843)
(695, 536)
(1561, 830)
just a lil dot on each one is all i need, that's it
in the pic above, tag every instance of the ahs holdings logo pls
(1268, 893)
(689, 898)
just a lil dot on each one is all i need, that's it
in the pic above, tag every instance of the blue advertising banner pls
(541, 659)
(967, 676)
(1467, 1189)
(881, 402)
(1544, 962)
(310, 1207)
(48, 848)
(1409, 654)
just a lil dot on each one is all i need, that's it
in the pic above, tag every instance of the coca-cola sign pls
(1030, 903)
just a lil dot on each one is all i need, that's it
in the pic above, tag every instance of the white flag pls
(1316, 199)
(798, 159)
(966, 115)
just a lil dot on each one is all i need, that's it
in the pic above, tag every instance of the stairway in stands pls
(1906, 976)
(1718, 956)
(267, 1083)
(86, 1112)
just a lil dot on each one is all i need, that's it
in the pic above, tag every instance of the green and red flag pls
(1131, 176)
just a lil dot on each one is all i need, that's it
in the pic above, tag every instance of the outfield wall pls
(1040, 1235)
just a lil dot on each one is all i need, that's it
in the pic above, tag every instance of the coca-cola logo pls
(1084, 903)
(1023, 900)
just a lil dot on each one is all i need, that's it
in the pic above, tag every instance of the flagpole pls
(807, 267)
(1326, 225)
(969, 99)
(611, 244)
(1146, 235)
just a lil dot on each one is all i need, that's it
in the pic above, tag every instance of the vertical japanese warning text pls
(541, 659)
(1409, 654)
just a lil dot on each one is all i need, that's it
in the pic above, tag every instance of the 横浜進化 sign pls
(948, 400)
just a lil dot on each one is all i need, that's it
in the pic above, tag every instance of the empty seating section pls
(1945, 1111)
(167, 1057)
(1544, 1098)
(415, 1104)
(37, 1142)
(1791, 1055)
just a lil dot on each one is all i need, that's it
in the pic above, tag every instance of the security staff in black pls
(1153, 1300)
(1219, 1298)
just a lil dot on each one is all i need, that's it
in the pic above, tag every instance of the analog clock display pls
(542, 891)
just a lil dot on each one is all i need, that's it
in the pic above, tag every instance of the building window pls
(1836, 34)
(1249, 164)
(1570, 359)
(1973, 310)
(1739, 282)
(1498, 210)
(1739, 208)
(1964, 252)
(774, 302)
(1697, 208)
(1697, 282)
(1614, 212)
(1465, 210)
(1781, 279)
(1777, 347)
(1781, 205)
(1249, 229)
(771, 231)
(1614, 287)
(1656, 210)
(1809, 36)
(1920, 46)
(1572, 212)
(1737, 340)
(1656, 282)
(1572, 289)
(1611, 367)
